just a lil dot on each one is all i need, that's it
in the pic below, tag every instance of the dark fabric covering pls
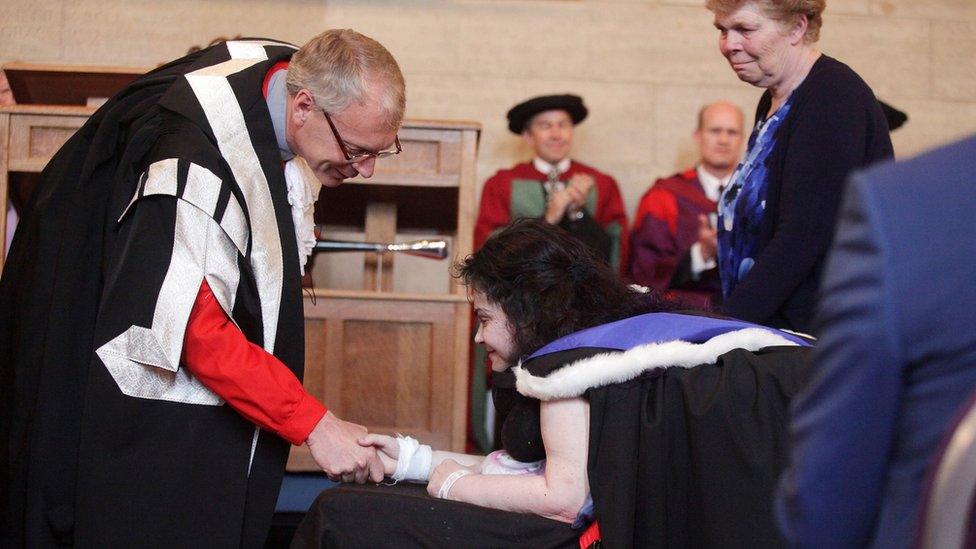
(82, 463)
(894, 117)
(691, 457)
(403, 516)
(677, 458)
(834, 126)
(588, 231)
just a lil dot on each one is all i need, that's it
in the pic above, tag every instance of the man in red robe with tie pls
(565, 192)
(674, 240)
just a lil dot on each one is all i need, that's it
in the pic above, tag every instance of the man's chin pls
(553, 157)
(330, 179)
(330, 182)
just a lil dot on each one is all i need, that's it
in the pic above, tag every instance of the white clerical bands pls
(413, 461)
(450, 480)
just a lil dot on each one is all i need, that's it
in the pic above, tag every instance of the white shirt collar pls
(277, 104)
(544, 167)
(710, 184)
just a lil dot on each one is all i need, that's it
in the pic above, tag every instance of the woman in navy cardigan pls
(816, 122)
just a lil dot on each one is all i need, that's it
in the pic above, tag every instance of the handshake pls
(335, 447)
(347, 453)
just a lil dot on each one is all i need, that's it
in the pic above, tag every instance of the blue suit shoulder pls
(954, 163)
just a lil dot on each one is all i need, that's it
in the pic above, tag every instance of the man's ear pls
(302, 105)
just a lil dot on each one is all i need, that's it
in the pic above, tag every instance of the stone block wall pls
(643, 66)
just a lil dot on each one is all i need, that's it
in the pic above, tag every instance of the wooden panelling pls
(390, 364)
(35, 138)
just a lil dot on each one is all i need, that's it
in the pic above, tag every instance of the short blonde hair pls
(784, 11)
(340, 65)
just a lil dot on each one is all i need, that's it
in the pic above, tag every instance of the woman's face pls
(494, 332)
(759, 49)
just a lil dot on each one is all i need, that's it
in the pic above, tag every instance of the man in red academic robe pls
(582, 199)
(674, 239)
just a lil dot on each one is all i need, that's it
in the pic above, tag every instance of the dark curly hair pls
(549, 284)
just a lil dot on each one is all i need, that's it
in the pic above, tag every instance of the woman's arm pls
(467, 460)
(388, 449)
(559, 494)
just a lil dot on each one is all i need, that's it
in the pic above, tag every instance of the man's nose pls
(366, 167)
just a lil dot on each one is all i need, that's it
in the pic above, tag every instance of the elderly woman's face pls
(494, 332)
(758, 48)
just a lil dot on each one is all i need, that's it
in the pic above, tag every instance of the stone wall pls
(644, 67)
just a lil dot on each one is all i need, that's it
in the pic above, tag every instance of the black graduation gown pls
(689, 455)
(686, 444)
(107, 440)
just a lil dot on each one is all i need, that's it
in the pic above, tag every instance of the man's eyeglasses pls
(360, 156)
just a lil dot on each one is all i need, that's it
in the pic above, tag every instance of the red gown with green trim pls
(518, 192)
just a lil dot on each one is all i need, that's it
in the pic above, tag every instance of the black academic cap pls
(519, 115)
(893, 116)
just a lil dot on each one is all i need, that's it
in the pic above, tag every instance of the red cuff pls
(308, 413)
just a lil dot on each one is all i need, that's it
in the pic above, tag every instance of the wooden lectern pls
(395, 361)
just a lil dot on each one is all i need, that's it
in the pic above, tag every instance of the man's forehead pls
(362, 128)
(551, 116)
(721, 115)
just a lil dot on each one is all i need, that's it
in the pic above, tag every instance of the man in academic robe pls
(152, 332)
(565, 192)
(673, 243)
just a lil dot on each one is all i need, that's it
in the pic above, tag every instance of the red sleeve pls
(495, 209)
(252, 381)
(655, 252)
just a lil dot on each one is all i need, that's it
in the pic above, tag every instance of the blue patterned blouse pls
(743, 204)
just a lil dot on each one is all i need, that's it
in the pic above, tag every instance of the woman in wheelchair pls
(665, 428)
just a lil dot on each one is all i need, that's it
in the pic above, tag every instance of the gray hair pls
(784, 11)
(340, 66)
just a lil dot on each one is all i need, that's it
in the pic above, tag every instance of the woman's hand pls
(441, 472)
(386, 448)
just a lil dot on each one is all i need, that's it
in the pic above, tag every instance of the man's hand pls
(386, 448)
(559, 202)
(707, 237)
(581, 184)
(570, 199)
(335, 448)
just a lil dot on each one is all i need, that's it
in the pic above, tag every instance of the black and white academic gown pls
(107, 439)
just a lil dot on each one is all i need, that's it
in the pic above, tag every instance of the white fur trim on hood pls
(574, 379)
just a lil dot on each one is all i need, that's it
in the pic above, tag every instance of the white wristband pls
(413, 460)
(450, 480)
